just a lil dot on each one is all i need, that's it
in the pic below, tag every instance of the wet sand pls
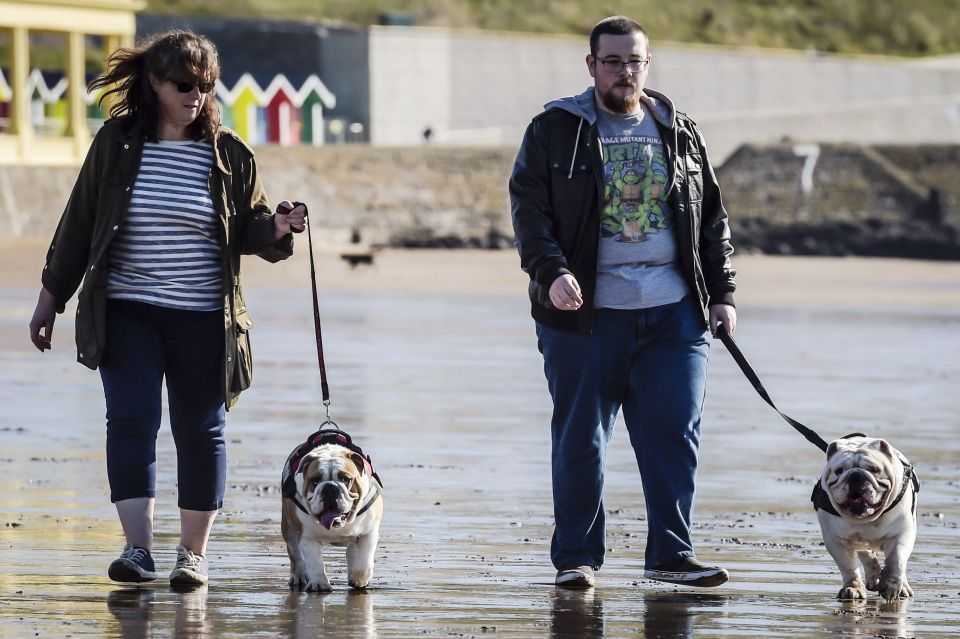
(434, 371)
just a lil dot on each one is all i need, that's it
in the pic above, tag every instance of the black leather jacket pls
(556, 195)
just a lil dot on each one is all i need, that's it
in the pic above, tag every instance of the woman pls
(166, 202)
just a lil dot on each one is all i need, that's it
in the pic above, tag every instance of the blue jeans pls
(652, 363)
(144, 344)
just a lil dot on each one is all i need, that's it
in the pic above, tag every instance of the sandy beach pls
(434, 371)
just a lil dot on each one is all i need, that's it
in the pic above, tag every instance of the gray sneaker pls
(133, 565)
(688, 571)
(578, 577)
(191, 569)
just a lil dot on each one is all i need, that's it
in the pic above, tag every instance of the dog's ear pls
(884, 447)
(832, 449)
(359, 461)
(306, 460)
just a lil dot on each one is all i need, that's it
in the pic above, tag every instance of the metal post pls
(76, 91)
(20, 102)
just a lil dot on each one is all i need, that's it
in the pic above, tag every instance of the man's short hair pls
(615, 25)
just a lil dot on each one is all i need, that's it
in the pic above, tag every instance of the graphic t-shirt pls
(637, 264)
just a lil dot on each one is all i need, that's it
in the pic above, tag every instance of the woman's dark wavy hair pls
(179, 54)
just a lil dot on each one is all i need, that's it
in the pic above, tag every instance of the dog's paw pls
(360, 578)
(852, 592)
(892, 588)
(303, 583)
(318, 586)
(297, 582)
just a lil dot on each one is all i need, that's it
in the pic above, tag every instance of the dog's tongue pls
(328, 517)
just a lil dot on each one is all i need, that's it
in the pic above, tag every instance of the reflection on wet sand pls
(190, 620)
(675, 614)
(324, 615)
(874, 618)
(576, 613)
(133, 611)
(445, 388)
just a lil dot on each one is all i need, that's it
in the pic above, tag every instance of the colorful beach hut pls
(278, 114)
(283, 112)
(6, 95)
(242, 103)
(316, 98)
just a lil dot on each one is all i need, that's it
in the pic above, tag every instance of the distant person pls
(166, 202)
(620, 226)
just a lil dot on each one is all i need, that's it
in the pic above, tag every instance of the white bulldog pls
(866, 500)
(332, 497)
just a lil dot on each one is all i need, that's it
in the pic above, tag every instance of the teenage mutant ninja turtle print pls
(634, 194)
(637, 256)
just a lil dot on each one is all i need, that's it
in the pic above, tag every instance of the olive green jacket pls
(97, 208)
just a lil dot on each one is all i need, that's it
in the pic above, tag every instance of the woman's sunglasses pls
(187, 87)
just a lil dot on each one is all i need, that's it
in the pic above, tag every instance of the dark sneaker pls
(687, 571)
(134, 564)
(191, 569)
(579, 577)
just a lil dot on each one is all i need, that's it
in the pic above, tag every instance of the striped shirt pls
(167, 252)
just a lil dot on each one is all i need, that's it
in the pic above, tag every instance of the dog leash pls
(324, 386)
(751, 375)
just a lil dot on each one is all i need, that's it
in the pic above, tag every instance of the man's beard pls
(618, 104)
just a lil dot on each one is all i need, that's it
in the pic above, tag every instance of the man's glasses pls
(187, 87)
(612, 65)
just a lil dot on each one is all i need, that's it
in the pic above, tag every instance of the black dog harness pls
(288, 484)
(821, 500)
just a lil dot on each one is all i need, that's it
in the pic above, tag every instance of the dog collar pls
(821, 500)
(288, 484)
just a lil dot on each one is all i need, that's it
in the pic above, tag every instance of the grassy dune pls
(889, 27)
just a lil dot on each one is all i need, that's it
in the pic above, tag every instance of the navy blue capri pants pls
(146, 344)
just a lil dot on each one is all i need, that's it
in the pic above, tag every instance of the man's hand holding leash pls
(723, 314)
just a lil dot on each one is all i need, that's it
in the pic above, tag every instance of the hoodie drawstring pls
(576, 145)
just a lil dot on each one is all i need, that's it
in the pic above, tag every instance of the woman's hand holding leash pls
(290, 217)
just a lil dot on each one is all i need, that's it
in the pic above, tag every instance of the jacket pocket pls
(243, 366)
(570, 187)
(693, 165)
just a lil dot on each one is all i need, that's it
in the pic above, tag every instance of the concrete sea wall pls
(827, 199)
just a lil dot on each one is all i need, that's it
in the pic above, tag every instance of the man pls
(620, 226)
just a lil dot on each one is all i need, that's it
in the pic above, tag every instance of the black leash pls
(744, 365)
(322, 436)
(324, 387)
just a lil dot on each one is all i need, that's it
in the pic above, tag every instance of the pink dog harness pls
(288, 485)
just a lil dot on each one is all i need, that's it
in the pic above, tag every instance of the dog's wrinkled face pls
(862, 477)
(333, 482)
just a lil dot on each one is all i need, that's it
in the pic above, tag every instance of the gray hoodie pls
(584, 107)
